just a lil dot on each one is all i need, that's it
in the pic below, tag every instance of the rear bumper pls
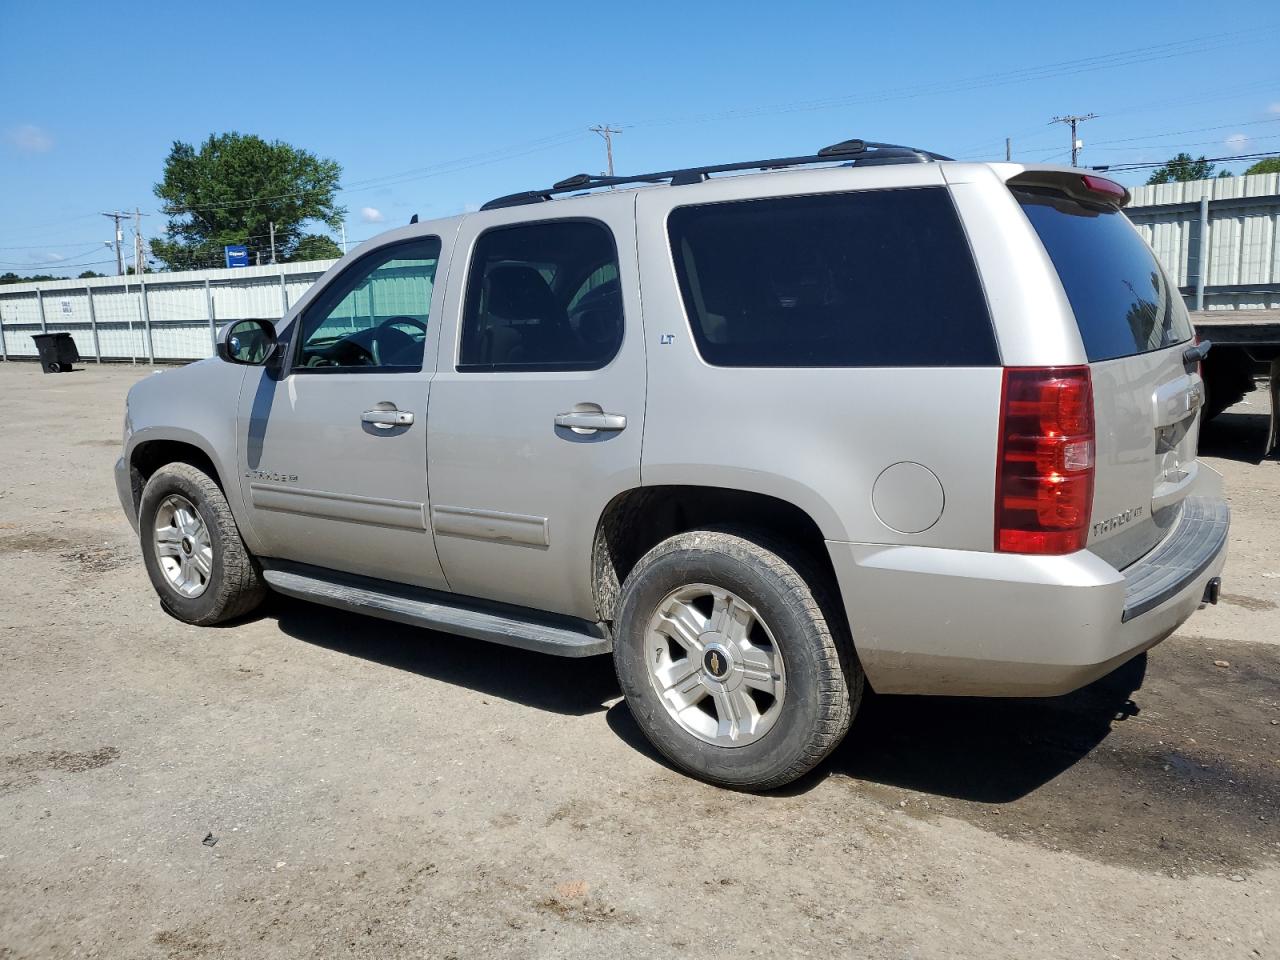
(963, 623)
(124, 490)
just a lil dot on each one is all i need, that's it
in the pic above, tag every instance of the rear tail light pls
(1044, 468)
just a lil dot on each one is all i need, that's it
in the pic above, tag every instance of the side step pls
(419, 607)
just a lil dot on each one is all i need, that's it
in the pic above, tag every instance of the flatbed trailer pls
(1246, 343)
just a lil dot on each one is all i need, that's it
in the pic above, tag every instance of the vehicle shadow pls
(561, 685)
(1236, 436)
(987, 750)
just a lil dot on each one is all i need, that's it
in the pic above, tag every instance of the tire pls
(814, 693)
(224, 581)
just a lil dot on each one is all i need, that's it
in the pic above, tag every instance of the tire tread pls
(809, 592)
(240, 588)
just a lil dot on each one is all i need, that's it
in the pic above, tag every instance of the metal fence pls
(161, 316)
(1219, 239)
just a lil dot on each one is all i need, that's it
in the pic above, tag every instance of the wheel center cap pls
(186, 545)
(715, 662)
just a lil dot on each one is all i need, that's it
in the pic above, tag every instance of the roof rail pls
(853, 152)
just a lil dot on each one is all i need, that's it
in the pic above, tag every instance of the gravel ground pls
(370, 790)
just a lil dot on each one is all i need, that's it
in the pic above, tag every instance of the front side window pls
(373, 316)
(876, 278)
(542, 296)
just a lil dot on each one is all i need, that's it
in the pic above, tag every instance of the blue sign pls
(236, 256)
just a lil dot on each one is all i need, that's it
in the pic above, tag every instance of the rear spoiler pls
(1085, 187)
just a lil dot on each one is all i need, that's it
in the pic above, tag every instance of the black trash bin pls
(57, 351)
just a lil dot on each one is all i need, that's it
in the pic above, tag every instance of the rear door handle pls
(386, 419)
(588, 421)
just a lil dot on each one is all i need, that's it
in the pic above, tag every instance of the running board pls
(419, 607)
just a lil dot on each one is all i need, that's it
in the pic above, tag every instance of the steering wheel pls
(388, 341)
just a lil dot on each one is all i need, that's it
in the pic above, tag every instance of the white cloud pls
(371, 215)
(29, 138)
(48, 258)
(1274, 108)
(1237, 142)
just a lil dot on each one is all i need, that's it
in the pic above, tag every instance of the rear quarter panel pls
(816, 437)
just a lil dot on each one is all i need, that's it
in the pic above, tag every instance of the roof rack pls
(854, 152)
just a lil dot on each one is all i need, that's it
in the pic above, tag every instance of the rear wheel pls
(733, 662)
(198, 564)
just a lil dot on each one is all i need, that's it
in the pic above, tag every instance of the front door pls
(537, 408)
(333, 445)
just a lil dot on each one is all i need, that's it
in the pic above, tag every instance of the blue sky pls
(433, 108)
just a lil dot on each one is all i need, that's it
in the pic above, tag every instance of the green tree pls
(90, 274)
(12, 277)
(232, 189)
(1269, 165)
(316, 247)
(1182, 167)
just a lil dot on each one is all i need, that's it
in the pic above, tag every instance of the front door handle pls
(589, 421)
(386, 419)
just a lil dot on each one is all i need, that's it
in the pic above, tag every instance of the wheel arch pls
(152, 449)
(638, 519)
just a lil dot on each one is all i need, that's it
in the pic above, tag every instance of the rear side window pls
(1122, 300)
(877, 278)
(542, 296)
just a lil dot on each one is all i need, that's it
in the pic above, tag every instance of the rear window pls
(1123, 302)
(875, 278)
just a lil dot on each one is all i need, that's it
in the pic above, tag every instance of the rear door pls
(1135, 330)
(537, 408)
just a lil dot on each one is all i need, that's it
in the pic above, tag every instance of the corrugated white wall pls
(1241, 239)
(177, 308)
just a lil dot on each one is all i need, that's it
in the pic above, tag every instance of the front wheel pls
(734, 663)
(197, 562)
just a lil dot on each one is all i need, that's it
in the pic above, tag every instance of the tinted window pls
(1122, 300)
(542, 296)
(374, 315)
(880, 278)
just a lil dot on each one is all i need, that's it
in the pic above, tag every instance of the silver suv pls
(769, 432)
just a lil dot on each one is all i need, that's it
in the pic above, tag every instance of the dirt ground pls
(370, 790)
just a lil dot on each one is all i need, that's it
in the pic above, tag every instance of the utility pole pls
(1008, 149)
(607, 132)
(117, 217)
(272, 226)
(1072, 120)
(139, 249)
(344, 237)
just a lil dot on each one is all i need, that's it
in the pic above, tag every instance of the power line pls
(1067, 67)
(1108, 144)
(1130, 57)
(1119, 167)
(1150, 106)
(420, 173)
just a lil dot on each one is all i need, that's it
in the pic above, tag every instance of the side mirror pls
(251, 342)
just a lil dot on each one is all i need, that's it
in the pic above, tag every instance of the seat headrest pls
(518, 293)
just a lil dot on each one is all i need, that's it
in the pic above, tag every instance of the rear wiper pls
(1196, 352)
